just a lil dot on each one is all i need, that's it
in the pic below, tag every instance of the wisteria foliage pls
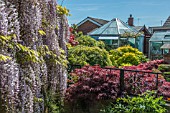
(24, 86)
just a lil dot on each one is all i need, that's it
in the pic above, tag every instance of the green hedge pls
(84, 55)
(90, 42)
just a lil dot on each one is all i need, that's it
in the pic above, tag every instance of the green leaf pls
(41, 32)
(4, 58)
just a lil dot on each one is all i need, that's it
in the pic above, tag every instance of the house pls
(160, 36)
(111, 33)
(89, 24)
(165, 27)
(144, 30)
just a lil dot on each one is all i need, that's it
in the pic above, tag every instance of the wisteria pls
(24, 84)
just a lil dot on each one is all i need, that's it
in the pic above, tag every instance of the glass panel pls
(100, 30)
(166, 51)
(107, 42)
(123, 41)
(111, 31)
(113, 24)
(156, 48)
(115, 42)
(131, 42)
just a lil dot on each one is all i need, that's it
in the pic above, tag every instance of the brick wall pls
(87, 27)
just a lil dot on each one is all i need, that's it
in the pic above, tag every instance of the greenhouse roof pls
(160, 36)
(137, 27)
(114, 27)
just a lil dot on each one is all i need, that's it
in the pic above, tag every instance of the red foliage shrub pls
(148, 66)
(164, 90)
(139, 82)
(94, 83)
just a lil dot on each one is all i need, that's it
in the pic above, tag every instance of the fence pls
(133, 81)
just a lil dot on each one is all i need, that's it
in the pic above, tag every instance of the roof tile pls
(167, 23)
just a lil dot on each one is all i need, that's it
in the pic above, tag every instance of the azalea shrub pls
(126, 55)
(89, 41)
(84, 55)
(145, 103)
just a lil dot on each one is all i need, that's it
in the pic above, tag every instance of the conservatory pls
(158, 45)
(116, 33)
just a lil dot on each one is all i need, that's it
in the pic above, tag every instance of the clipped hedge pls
(84, 55)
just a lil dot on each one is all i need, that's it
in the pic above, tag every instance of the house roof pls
(160, 36)
(141, 28)
(165, 27)
(100, 21)
(97, 21)
(114, 27)
(159, 28)
(167, 23)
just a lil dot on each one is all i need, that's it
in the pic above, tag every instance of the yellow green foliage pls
(41, 32)
(126, 55)
(128, 58)
(4, 58)
(5, 39)
(25, 54)
(38, 100)
(62, 10)
(88, 55)
(90, 42)
(51, 57)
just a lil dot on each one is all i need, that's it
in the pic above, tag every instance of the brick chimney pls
(130, 20)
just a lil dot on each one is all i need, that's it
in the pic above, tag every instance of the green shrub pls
(128, 58)
(167, 76)
(166, 73)
(110, 47)
(126, 55)
(84, 55)
(164, 67)
(90, 42)
(145, 103)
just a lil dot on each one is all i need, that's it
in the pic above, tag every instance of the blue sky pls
(148, 12)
